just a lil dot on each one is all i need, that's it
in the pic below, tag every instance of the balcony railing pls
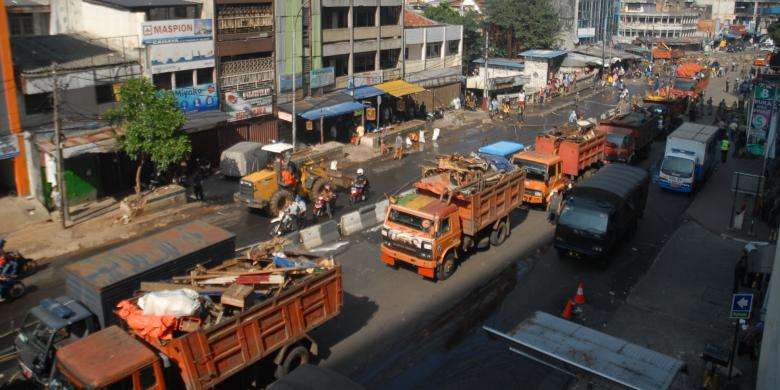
(251, 71)
(245, 20)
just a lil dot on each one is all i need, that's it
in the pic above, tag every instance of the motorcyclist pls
(327, 195)
(297, 210)
(8, 263)
(361, 181)
(709, 105)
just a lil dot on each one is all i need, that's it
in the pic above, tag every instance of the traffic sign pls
(765, 92)
(741, 304)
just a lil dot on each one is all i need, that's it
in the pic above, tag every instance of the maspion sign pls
(174, 31)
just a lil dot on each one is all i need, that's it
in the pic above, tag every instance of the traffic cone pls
(579, 298)
(567, 311)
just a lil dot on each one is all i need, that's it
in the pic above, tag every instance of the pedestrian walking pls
(727, 85)
(553, 206)
(573, 116)
(197, 186)
(398, 148)
(724, 149)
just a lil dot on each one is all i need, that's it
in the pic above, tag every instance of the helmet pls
(360, 171)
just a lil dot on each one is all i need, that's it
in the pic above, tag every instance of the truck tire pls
(296, 357)
(316, 188)
(499, 235)
(278, 200)
(447, 267)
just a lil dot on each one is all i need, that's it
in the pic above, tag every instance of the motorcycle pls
(358, 193)
(24, 266)
(284, 223)
(434, 114)
(12, 288)
(321, 208)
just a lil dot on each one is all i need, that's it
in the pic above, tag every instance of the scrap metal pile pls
(459, 173)
(207, 296)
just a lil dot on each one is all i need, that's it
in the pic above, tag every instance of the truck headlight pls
(427, 246)
(598, 249)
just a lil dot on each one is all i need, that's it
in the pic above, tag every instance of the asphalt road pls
(383, 308)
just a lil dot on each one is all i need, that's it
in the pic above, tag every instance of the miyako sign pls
(174, 31)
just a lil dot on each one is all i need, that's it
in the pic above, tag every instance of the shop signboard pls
(9, 146)
(176, 31)
(197, 98)
(285, 82)
(248, 104)
(174, 57)
(322, 77)
(371, 78)
(765, 100)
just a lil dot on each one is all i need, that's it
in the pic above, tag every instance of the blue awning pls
(363, 92)
(502, 148)
(329, 111)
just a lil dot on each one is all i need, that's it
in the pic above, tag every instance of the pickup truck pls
(96, 284)
(629, 136)
(438, 223)
(559, 158)
(229, 353)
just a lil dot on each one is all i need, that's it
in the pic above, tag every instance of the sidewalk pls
(683, 301)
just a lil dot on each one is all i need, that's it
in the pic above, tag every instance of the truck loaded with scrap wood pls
(196, 315)
(461, 203)
(559, 158)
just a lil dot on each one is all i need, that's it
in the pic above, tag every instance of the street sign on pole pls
(741, 305)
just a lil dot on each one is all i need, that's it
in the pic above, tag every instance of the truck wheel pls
(447, 267)
(296, 357)
(316, 188)
(17, 290)
(278, 200)
(498, 236)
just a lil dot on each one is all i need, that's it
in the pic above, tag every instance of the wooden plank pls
(237, 295)
(161, 286)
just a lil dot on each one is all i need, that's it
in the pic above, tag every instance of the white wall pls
(104, 22)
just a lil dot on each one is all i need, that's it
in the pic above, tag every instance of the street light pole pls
(294, 94)
(485, 91)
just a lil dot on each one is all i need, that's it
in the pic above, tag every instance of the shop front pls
(400, 105)
(444, 86)
(331, 117)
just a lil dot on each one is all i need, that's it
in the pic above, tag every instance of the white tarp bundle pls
(177, 303)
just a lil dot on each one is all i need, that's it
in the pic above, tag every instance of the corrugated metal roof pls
(546, 54)
(112, 266)
(38, 53)
(585, 351)
(142, 4)
(400, 88)
(512, 63)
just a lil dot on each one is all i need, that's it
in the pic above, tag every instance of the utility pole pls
(604, 38)
(294, 94)
(755, 17)
(63, 206)
(485, 91)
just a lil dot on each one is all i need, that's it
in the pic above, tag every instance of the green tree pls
(151, 123)
(774, 32)
(534, 23)
(473, 41)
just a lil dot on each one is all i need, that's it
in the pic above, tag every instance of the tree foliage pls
(470, 20)
(534, 22)
(774, 32)
(151, 122)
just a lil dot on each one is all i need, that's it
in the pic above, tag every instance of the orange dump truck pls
(691, 81)
(438, 223)
(228, 353)
(560, 157)
(664, 52)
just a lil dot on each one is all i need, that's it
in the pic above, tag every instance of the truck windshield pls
(616, 140)
(677, 166)
(411, 221)
(533, 170)
(585, 219)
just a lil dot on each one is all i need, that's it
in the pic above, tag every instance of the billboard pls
(322, 77)
(197, 98)
(174, 57)
(175, 31)
(248, 104)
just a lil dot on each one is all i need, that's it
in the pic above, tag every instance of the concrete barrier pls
(318, 235)
(365, 218)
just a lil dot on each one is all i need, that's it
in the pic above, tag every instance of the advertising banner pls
(248, 104)
(322, 77)
(363, 80)
(9, 146)
(176, 31)
(198, 98)
(181, 56)
(285, 82)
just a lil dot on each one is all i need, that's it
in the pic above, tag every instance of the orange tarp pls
(151, 328)
(688, 70)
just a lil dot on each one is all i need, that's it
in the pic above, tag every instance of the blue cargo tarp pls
(502, 148)
(363, 92)
(325, 112)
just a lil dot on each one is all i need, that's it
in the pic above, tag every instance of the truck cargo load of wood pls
(578, 145)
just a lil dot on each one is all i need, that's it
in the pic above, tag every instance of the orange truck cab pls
(543, 175)
(435, 225)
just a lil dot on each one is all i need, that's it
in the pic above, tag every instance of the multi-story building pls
(584, 21)
(244, 45)
(640, 19)
(433, 59)
(721, 12)
(763, 12)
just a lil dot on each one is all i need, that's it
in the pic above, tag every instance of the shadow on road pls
(355, 314)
